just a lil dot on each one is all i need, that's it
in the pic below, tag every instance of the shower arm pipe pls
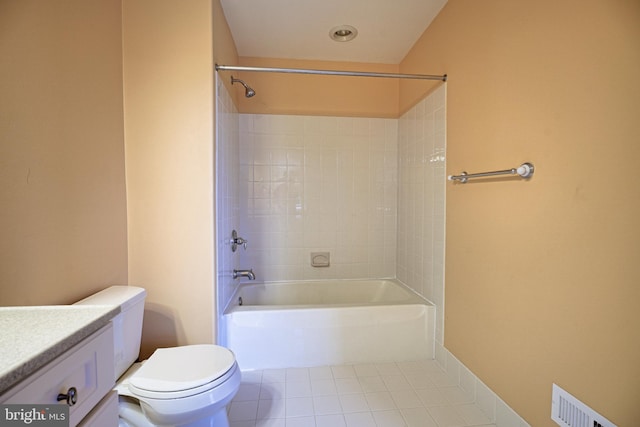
(330, 72)
(525, 171)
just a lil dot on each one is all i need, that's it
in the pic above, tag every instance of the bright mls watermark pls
(34, 415)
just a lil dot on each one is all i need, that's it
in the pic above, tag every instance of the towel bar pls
(525, 171)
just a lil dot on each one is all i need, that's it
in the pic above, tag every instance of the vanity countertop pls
(31, 337)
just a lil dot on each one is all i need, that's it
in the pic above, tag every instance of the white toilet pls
(186, 386)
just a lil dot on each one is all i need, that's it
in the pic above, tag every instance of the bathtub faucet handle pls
(235, 241)
(241, 241)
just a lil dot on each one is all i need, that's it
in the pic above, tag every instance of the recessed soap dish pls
(320, 259)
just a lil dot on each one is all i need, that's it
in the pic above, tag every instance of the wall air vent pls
(567, 411)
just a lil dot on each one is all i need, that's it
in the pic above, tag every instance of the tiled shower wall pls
(318, 184)
(421, 200)
(227, 196)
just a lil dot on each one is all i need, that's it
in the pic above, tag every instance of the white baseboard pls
(490, 403)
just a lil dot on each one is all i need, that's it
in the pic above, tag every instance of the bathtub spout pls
(244, 273)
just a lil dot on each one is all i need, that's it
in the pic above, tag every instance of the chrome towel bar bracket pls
(525, 171)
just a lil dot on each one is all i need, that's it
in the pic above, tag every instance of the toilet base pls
(219, 419)
(131, 415)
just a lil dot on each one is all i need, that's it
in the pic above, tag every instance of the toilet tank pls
(127, 326)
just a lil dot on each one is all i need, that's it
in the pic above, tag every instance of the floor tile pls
(472, 414)
(325, 405)
(299, 407)
(420, 381)
(396, 382)
(270, 423)
(406, 399)
(388, 419)
(385, 394)
(273, 408)
(441, 379)
(323, 387)
(360, 419)
(330, 421)
(431, 397)
(380, 401)
(300, 422)
(371, 384)
(243, 410)
(354, 403)
(418, 417)
(299, 389)
(348, 385)
(446, 416)
(272, 391)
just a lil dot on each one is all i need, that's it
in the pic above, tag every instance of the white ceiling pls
(299, 29)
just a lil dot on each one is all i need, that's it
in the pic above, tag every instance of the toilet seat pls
(179, 372)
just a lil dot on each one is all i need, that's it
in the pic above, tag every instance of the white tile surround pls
(370, 191)
(421, 201)
(318, 184)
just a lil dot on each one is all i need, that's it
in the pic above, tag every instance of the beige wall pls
(542, 276)
(169, 128)
(278, 93)
(224, 48)
(168, 96)
(62, 182)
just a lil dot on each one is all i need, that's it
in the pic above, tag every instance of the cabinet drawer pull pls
(71, 397)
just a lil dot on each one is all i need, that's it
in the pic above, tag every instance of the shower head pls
(248, 92)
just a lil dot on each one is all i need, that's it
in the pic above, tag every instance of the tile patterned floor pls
(402, 394)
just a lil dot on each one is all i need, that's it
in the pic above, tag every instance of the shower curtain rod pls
(330, 72)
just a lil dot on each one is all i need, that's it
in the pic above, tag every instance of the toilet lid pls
(181, 368)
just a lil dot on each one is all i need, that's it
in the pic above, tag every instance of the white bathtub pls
(333, 322)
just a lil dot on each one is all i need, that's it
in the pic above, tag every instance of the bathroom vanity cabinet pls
(81, 376)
